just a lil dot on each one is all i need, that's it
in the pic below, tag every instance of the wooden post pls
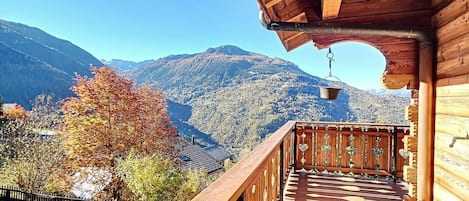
(282, 153)
(395, 153)
(426, 124)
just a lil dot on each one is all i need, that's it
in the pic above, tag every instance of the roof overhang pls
(401, 53)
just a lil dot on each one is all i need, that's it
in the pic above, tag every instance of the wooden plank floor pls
(308, 186)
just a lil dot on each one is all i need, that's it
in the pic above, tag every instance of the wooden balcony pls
(318, 160)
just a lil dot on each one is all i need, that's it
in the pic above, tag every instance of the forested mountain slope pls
(34, 62)
(239, 97)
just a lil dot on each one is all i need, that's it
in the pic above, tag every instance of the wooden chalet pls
(426, 46)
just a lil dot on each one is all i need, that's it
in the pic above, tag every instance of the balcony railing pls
(337, 147)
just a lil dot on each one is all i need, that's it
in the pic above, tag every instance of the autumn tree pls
(31, 155)
(16, 112)
(110, 116)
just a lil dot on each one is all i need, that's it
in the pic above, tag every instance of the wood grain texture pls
(453, 67)
(453, 90)
(451, 183)
(442, 194)
(455, 9)
(454, 125)
(453, 48)
(308, 186)
(330, 9)
(450, 81)
(453, 29)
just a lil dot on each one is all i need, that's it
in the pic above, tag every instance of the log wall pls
(451, 163)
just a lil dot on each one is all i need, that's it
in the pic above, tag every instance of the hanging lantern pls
(329, 92)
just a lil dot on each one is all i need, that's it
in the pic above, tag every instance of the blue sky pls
(137, 30)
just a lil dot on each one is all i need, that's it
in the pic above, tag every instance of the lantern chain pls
(330, 56)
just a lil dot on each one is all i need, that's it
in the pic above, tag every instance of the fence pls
(16, 194)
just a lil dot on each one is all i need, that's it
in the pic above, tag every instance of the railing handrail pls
(352, 124)
(232, 184)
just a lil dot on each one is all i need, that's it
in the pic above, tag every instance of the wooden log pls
(410, 174)
(412, 159)
(453, 67)
(450, 12)
(453, 48)
(411, 113)
(455, 125)
(462, 79)
(453, 106)
(452, 164)
(460, 148)
(412, 189)
(454, 90)
(413, 128)
(441, 193)
(410, 143)
(453, 30)
(451, 183)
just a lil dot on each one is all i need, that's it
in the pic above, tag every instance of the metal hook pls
(458, 138)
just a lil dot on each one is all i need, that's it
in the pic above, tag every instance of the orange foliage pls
(110, 116)
(16, 112)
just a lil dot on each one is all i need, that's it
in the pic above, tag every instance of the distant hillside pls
(123, 65)
(239, 97)
(34, 62)
(399, 92)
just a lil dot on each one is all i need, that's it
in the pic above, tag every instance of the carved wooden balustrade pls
(350, 148)
(334, 147)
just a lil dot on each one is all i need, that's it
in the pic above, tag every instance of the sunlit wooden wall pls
(451, 164)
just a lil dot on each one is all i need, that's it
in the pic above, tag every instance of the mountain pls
(399, 92)
(239, 97)
(33, 62)
(123, 65)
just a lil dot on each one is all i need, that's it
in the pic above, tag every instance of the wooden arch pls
(401, 56)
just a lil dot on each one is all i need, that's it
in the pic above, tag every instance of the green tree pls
(110, 116)
(157, 177)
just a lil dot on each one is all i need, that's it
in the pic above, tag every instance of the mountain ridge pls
(33, 62)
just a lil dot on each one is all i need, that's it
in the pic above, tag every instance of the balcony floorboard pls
(309, 186)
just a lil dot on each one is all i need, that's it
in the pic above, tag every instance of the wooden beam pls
(272, 3)
(296, 41)
(377, 7)
(330, 9)
(301, 17)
